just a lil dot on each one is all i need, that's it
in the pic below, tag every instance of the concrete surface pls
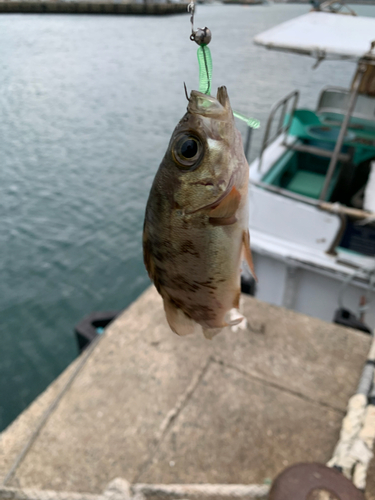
(150, 406)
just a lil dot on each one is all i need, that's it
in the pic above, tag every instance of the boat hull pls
(310, 290)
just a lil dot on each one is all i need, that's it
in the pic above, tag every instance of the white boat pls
(312, 188)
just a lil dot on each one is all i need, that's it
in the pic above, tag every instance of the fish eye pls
(188, 151)
(189, 148)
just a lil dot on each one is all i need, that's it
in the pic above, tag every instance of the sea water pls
(87, 107)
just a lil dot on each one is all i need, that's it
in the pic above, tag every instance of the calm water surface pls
(87, 107)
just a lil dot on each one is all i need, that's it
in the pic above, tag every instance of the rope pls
(353, 452)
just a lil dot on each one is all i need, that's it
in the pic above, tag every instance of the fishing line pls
(202, 36)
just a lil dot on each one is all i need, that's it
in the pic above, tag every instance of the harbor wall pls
(351, 3)
(79, 7)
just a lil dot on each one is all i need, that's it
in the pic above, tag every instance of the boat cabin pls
(304, 166)
(312, 188)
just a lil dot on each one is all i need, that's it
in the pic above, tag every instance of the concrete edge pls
(120, 489)
(17, 438)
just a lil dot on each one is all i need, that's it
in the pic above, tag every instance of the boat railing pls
(304, 148)
(287, 103)
(334, 208)
(336, 7)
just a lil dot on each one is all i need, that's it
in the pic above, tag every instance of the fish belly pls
(201, 272)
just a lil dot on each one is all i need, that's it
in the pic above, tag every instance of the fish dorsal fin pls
(247, 252)
(147, 255)
(227, 207)
(178, 321)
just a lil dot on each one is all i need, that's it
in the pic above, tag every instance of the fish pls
(196, 229)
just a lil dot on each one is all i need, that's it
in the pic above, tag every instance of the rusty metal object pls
(313, 481)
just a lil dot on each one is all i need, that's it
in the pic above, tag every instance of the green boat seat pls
(306, 183)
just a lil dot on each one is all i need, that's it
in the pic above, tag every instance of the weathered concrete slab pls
(247, 431)
(15, 437)
(142, 385)
(109, 420)
(320, 360)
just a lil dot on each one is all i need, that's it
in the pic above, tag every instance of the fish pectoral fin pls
(227, 207)
(178, 321)
(248, 254)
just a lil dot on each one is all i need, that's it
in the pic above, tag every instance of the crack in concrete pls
(184, 399)
(173, 414)
(279, 387)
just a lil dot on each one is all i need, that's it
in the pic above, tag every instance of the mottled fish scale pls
(196, 223)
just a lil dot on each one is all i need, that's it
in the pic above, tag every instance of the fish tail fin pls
(179, 322)
(233, 317)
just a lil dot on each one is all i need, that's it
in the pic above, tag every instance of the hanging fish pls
(196, 224)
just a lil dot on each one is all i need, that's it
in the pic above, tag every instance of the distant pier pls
(91, 7)
(244, 2)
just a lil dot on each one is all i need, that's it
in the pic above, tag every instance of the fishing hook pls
(186, 92)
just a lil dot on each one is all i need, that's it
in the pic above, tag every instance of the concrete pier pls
(90, 7)
(148, 406)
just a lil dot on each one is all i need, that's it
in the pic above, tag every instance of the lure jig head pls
(202, 36)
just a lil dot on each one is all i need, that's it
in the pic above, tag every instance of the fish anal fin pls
(178, 321)
(210, 333)
(227, 207)
(247, 252)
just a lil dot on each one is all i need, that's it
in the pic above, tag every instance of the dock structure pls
(152, 408)
(91, 7)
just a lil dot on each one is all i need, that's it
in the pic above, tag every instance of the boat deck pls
(151, 407)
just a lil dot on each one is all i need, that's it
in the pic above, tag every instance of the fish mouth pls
(215, 203)
(209, 106)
